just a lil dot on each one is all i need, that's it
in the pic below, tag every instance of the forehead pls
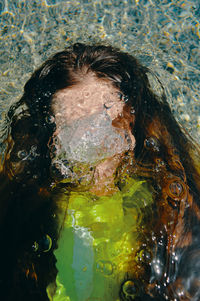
(84, 98)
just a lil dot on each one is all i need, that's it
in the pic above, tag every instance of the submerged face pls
(87, 98)
(91, 124)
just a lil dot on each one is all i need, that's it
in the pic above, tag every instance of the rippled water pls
(165, 36)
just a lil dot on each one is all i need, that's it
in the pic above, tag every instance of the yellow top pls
(99, 243)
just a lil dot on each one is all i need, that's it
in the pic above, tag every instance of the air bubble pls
(132, 111)
(43, 245)
(176, 189)
(129, 288)
(46, 243)
(22, 154)
(125, 98)
(50, 119)
(105, 267)
(91, 139)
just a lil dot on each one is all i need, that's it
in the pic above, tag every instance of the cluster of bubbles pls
(105, 267)
(91, 139)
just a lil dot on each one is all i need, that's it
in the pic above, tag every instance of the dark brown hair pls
(163, 154)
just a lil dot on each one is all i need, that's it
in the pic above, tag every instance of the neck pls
(104, 176)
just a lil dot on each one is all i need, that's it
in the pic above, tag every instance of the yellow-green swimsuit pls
(99, 242)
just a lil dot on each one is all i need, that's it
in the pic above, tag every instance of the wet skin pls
(87, 98)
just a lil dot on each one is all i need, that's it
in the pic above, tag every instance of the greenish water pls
(101, 242)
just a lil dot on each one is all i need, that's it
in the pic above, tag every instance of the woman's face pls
(87, 98)
(92, 122)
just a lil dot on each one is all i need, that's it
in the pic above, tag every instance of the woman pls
(100, 186)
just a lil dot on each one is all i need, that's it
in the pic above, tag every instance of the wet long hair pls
(163, 154)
